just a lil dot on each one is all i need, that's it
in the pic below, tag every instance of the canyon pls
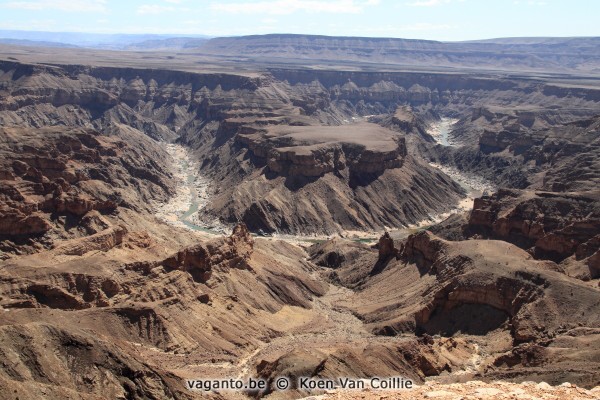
(165, 220)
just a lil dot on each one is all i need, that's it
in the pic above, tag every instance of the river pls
(441, 129)
(473, 184)
(192, 195)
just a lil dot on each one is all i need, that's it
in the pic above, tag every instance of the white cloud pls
(61, 5)
(431, 3)
(281, 7)
(153, 9)
(156, 9)
(403, 29)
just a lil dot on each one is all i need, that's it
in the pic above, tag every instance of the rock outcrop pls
(334, 202)
(405, 120)
(386, 247)
(341, 167)
(199, 260)
(557, 152)
(336, 253)
(480, 288)
(56, 179)
(553, 226)
(312, 151)
(101, 241)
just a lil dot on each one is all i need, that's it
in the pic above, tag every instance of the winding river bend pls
(192, 194)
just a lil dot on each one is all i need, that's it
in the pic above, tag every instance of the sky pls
(420, 19)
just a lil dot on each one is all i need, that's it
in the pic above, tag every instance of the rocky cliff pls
(538, 148)
(59, 182)
(552, 226)
(219, 115)
(546, 54)
(131, 311)
(89, 274)
(312, 151)
(484, 289)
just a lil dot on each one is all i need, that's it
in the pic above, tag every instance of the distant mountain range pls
(95, 40)
(559, 55)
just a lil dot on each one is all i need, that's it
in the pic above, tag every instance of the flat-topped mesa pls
(313, 151)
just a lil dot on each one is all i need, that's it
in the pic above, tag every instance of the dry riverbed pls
(192, 194)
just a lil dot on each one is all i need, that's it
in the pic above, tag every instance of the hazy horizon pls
(200, 35)
(441, 20)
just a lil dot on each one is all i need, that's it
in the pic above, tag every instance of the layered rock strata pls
(553, 226)
(56, 179)
(312, 151)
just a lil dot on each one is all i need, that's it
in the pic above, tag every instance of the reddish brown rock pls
(231, 252)
(386, 247)
(313, 151)
(549, 225)
(62, 174)
(13, 222)
(424, 248)
(102, 241)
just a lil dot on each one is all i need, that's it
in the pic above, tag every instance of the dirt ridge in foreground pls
(473, 390)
